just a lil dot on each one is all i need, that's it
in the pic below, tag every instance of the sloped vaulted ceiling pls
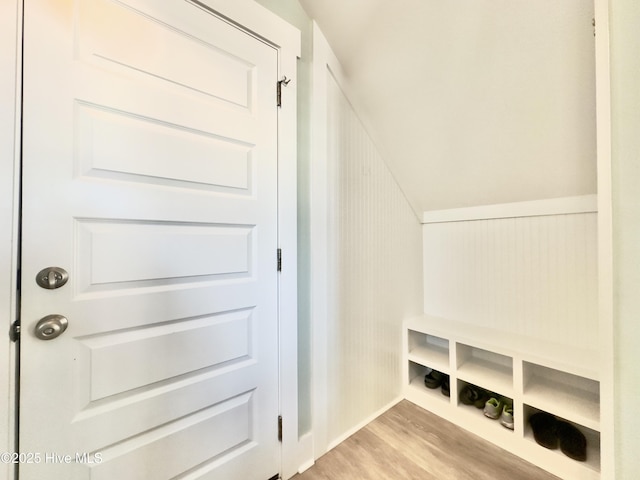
(472, 102)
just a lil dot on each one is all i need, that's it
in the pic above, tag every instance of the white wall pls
(625, 78)
(473, 102)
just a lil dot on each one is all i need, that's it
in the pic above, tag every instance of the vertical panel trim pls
(608, 402)
(10, 138)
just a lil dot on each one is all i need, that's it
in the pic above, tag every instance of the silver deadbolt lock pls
(51, 326)
(52, 277)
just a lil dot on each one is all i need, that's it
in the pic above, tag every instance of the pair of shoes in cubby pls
(500, 408)
(551, 432)
(494, 406)
(435, 379)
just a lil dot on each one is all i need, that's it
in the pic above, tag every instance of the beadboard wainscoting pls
(532, 275)
(373, 271)
(375, 241)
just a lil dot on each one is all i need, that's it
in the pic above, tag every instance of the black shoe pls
(446, 391)
(544, 426)
(472, 395)
(433, 379)
(572, 442)
(483, 397)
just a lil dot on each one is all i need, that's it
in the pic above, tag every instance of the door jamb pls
(10, 121)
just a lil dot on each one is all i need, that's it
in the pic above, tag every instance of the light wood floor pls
(409, 443)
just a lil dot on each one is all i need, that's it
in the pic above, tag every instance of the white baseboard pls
(337, 441)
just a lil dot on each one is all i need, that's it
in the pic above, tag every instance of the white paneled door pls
(149, 176)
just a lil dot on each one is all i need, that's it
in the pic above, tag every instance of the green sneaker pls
(506, 419)
(493, 408)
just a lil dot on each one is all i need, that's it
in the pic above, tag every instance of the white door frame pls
(256, 20)
(10, 94)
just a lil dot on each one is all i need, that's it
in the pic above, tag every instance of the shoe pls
(446, 391)
(493, 408)
(572, 442)
(483, 396)
(544, 426)
(506, 419)
(471, 395)
(433, 379)
(550, 432)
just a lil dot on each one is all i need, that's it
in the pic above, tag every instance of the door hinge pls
(284, 81)
(279, 428)
(15, 331)
(279, 259)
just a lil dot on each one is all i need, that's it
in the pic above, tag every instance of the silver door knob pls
(52, 277)
(51, 326)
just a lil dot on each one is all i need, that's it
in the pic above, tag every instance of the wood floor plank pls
(409, 443)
